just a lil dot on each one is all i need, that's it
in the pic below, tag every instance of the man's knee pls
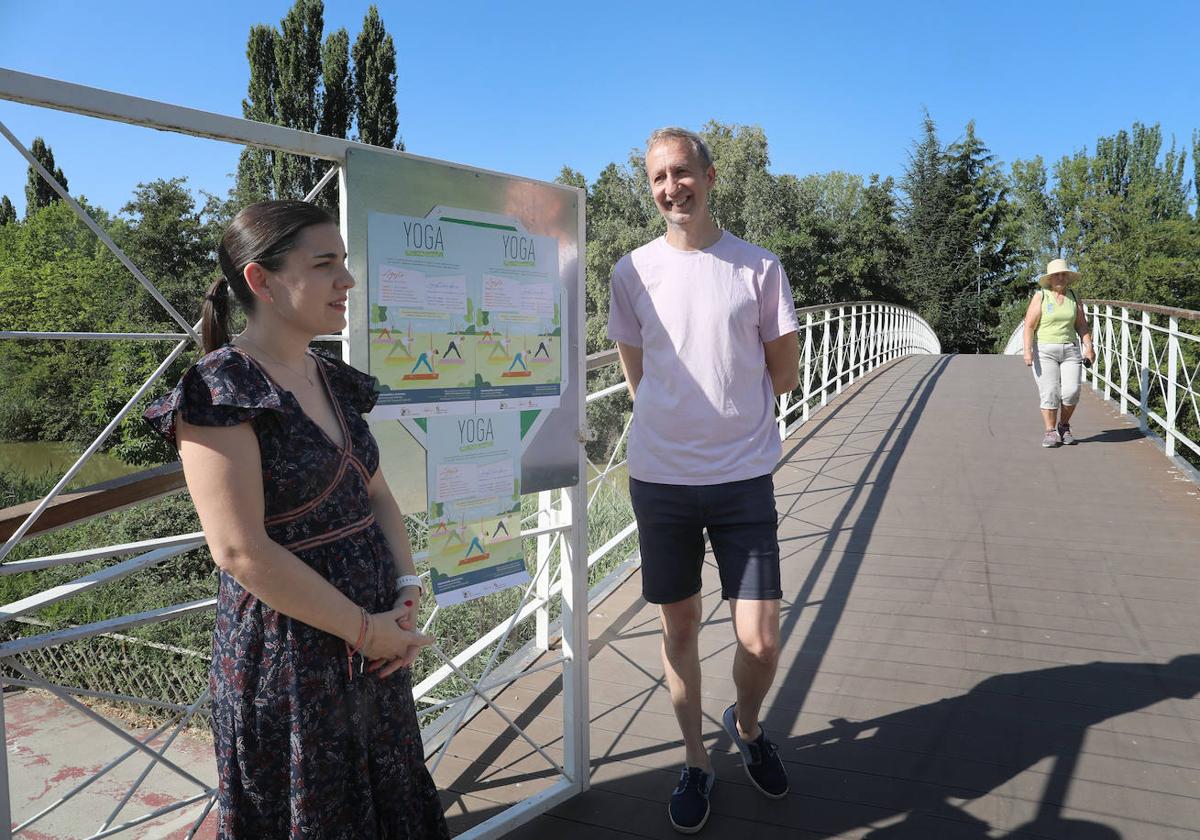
(681, 625)
(762, 648)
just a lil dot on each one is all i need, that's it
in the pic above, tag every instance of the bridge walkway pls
(981, 639)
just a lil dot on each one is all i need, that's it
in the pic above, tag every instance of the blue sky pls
(527, 87)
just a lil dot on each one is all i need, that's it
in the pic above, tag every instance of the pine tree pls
(985, 245)
(925, 214)
(375, 83)
(38, 192)
(8, 213)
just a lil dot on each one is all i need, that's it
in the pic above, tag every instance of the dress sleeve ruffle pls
(351, 385)
(224, 388)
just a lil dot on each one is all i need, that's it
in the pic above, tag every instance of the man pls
(707, 335)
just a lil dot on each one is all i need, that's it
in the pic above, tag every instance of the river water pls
(37, 458)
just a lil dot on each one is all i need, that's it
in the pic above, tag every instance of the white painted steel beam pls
(83, 584)
(83, 631)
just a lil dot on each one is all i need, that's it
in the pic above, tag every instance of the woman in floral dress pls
(312, 708)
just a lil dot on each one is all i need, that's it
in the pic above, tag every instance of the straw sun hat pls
(1057, 267)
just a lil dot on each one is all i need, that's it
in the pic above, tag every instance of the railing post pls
(850, 364)
(545, 519)
(1172, 373)
(873, 336)
(1144, 375)
(808, 343)
(825, 351)
(841, 339)
(5, 796)
(1108, 351)
(1095, 372)
(1123, 363)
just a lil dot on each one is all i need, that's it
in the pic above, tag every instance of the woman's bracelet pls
(363, 628)
(409, 580)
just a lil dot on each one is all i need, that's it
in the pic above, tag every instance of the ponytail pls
(261, 233)
(214, 317)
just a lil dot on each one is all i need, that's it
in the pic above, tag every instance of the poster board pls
(530, 286)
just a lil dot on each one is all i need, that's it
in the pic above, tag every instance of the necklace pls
(303, 373)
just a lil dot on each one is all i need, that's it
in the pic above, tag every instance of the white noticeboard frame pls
(535, 282)
(556, 461)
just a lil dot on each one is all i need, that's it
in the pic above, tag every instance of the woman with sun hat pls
(1052, 321)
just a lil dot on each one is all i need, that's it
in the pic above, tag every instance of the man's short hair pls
(699, 147)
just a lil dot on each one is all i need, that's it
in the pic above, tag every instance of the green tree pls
(1196, 168)
(375, 83)
(1125, 220)
(875, 250)
(297, 94)
(985, 229)
(299, 82)
(168, 238)
(337, 98)
(38, 192)
(925, 215)
(256, 167)
(8, 213)
(741, 159)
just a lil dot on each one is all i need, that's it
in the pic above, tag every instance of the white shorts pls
(1057, 368)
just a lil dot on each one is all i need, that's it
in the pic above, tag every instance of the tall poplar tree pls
(256, 167)
(297, 97)
(8, 213)
(375, 83)
(38, 192)
(337, 98)
(298, 81)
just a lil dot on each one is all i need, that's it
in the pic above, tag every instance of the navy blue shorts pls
(742, 527)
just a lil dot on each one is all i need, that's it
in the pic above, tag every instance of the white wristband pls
(409, 580)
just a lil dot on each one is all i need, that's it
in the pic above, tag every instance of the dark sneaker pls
(1051, 439)
(760, 757)
(689, 801)
(1064, 434)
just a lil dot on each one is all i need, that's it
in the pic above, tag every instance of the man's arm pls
(631, 363)
(783, 362)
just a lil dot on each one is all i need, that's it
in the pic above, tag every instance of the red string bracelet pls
(362, 638)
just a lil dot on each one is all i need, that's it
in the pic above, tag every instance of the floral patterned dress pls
(304, 748)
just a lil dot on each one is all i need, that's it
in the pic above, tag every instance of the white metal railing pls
(840, 343)
(557, 524)
(1147, 358)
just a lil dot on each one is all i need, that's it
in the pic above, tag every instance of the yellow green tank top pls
(1058, 319)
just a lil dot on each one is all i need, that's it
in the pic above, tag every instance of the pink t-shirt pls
(704, 412)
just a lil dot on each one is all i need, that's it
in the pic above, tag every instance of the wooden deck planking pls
(978, 639)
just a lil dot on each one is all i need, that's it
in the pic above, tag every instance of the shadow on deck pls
(982, 639)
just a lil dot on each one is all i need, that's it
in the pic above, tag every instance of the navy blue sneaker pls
(689, 801)
(760, 757)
